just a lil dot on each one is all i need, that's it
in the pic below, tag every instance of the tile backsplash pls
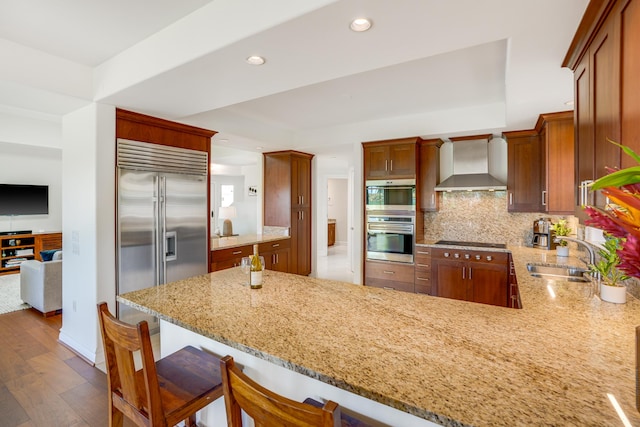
(481, 216)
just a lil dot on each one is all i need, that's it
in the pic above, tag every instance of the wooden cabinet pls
(331, 233)
(471, 275)
(558, 165)
(422, 273)
(514, 292)
(222, 259)
(429, 174)
(19, 247)
(541, 166)
(276, 255)
(524, 176)
(606, 64)
(287, 203)
(390, 159)
(389, 275)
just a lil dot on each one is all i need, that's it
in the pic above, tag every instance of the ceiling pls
(426, 67)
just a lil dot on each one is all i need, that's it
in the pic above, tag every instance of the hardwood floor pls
(42, 383)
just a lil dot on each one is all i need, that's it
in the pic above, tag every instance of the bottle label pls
(256, 279)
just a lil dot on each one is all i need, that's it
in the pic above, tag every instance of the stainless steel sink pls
(559, 272)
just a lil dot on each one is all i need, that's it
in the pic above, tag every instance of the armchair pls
(41, 284)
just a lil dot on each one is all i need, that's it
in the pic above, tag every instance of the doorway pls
(336, 265)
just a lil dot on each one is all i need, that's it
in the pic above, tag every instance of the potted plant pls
(561, 228)
(611, 279)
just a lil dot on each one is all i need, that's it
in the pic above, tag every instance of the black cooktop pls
(472, 244)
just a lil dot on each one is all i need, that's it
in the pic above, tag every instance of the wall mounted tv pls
(24, 199)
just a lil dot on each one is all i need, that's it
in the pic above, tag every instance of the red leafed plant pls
(621, 217)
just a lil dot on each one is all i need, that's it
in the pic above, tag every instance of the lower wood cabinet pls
(222, 259)
(470, 275)
(422, 275)
(275, 253)
(389, 275)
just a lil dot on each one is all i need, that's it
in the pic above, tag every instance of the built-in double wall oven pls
(390, 237)
(391, 206)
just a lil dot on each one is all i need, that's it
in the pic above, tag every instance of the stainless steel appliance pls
(391, 195)
(162, 218)
(542, 233)
(390, 237)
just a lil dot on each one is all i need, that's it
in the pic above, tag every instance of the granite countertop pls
(451, 362)
(243, 240)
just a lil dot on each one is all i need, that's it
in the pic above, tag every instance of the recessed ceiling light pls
(360, 24)
(255, 60)
(258, 148)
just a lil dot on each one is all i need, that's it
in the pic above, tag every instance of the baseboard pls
(88, 356)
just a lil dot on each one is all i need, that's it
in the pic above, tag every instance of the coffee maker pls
(542, 235)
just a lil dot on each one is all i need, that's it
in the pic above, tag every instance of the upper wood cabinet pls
(394, 158)
(605, 59)
(541, 166)
(429, 174)
(524, 176)
(558, 165)
(287, 203)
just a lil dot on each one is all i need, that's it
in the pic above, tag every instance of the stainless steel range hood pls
(473, 165)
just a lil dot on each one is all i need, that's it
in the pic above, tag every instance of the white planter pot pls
(562, 251)
(614, 294)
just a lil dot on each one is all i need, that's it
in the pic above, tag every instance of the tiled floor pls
(335, 265)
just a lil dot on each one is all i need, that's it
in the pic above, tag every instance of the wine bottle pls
(256, 269)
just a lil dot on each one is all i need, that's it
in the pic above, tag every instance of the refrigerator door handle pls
(163, 230)
(156, 224)
(171, 246)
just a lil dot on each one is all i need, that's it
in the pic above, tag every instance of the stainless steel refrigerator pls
(162, 216)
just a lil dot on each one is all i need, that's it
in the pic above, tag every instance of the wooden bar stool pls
(161, 393)
(269, 409)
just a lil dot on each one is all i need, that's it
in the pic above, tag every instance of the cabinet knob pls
(456, 255)
(489, 258)
(446, 254)
(467, 256)
(478, 257)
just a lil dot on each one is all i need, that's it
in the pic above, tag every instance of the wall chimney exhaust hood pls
(473, 163)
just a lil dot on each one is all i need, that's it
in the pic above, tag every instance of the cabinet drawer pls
(274, 245)
(391, 285)
(422, 289)
(390, 271)
(231, 253)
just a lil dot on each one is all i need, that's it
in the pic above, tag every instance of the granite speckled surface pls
(245, 239)
(452, 362)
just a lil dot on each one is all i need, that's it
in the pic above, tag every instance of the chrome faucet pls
(589, 246)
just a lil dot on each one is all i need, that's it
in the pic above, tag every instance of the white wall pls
(88, 226)
(245, 221)
(337, 202)
(28, 164)
(30, 144)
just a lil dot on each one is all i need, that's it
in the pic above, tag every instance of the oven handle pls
(395, 187)
(388, 228)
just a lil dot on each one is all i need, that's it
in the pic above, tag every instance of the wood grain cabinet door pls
(490, 283)
(402, 160)
(451, 281)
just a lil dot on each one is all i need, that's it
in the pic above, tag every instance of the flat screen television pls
(18, 199)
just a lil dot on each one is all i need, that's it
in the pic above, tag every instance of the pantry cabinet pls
(287, 203)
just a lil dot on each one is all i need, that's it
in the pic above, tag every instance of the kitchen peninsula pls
(454, 363)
